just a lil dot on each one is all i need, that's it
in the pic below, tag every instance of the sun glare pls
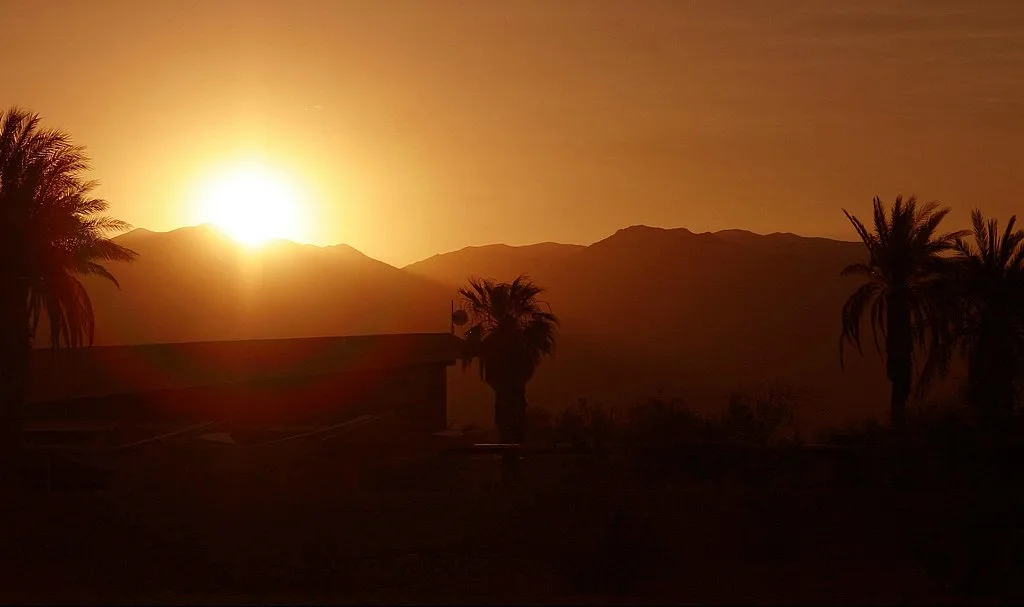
(252, 204)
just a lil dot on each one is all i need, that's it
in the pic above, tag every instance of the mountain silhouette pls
(651, 310)
(493, 260)
(196, 284)
(644, 311)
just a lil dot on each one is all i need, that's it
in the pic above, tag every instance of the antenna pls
(459, 317)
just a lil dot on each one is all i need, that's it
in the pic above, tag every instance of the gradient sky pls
(423, 126)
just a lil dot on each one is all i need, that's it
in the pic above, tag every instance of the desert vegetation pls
(934, 295)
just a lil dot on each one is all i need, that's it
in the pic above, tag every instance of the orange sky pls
(422, 126)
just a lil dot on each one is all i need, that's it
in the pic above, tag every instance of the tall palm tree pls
(990, 329)
(51, 230)
(510, 331)
(904, 293)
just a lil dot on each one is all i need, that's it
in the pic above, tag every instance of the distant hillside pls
(197, 284)
(499, 261)
(651, 310)
(644, 311)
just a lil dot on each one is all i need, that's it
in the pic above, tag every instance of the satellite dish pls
(459, 317)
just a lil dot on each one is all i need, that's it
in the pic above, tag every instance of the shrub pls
(588, 425)
(661, 423)
(762, 416)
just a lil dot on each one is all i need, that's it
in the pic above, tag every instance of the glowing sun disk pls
(252, 204)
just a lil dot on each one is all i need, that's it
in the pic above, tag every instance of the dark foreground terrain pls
(165, 530)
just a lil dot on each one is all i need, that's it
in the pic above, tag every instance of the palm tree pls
(510, 331)
(990, 329)
(51, 229)
(904, 294)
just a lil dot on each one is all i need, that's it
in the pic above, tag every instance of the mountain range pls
(645, 311)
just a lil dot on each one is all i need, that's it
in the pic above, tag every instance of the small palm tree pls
(510, 331)
(904, 294)
(51, 230)
(990, 329)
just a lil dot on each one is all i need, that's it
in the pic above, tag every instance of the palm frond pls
(853, 310)
(67, 309)
(511, 330)
(59, 227)
(989, 322)
(906, 259)
(862, 231)
(859, 269)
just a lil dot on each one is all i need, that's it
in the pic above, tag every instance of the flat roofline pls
(260, 340)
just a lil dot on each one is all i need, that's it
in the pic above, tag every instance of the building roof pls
(109, 370)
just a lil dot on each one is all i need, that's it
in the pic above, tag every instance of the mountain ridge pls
(138, 232)
(644, 310)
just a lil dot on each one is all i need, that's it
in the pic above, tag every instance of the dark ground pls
(166, 531)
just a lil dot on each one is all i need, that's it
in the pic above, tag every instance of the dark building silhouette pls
(283, 382)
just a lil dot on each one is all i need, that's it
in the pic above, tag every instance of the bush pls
(540, 426)
(762, 417)
(660, 423)
(759, 417)
(587, 425)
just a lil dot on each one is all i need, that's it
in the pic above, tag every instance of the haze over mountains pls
(644, 311)
(197, 284)
(651, 310)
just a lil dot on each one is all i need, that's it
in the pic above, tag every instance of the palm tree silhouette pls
(510, 332)
(904, 294)
(989, 277)
(51, 229)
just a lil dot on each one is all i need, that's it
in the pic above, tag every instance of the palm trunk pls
(510, 418)
(510, 412)
(979, 384)
(899, 360)
(15, 348)
(991, 382)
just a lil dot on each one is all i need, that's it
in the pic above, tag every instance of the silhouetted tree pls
(51, 229)
(586, 424)
(664, 424)
(762, 416)
(905, 292)
(989, 279)
(510, 331)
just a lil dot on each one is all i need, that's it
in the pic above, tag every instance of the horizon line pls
(272, 241)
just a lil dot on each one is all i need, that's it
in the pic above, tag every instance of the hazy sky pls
(423, 126)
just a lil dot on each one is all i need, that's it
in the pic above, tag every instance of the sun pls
(252, 204)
